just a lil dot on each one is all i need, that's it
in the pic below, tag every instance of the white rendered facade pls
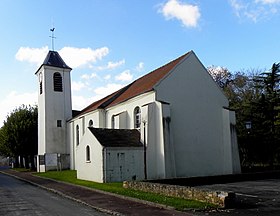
(54, 109)
(187, 129)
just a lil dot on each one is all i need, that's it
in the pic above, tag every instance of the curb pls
(64, 195)
(115, 195)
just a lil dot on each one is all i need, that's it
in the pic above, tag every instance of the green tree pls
(221, 75)
(242, 94)
(239, 87)
(19, 135)
(268, 107)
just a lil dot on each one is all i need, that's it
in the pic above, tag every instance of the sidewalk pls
(102, 201)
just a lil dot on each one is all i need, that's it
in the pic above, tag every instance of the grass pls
(70, 176)
(22, 169)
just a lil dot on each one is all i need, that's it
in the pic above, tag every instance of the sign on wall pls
(51, 159)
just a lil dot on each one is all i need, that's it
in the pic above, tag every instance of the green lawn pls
(70, 176)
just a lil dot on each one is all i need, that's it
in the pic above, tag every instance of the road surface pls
(20, 198)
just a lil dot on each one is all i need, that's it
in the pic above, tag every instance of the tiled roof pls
(142, 85)
(117, 137)
(54, 59)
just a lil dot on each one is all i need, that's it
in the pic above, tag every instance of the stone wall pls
(214, 197)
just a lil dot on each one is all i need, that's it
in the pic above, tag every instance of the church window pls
(77, 135)
(41, 83)
(113, 122)
(41, 87)
(57, 82)
(137, 117)
(83, 124)
(90, 123)
(59, 123)
(87, 153)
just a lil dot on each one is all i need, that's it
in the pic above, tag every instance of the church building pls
(173, 122)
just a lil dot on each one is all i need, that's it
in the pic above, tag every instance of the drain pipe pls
(104, 165)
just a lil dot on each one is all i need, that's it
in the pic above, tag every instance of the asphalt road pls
(259, 197)
(20, 198)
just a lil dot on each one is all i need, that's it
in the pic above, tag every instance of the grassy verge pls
(70, 176)
(22, 169)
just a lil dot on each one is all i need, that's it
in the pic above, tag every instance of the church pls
(172, 122)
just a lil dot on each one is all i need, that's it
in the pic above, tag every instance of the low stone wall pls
(218, 198)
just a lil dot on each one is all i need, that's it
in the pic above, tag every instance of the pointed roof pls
(117, 137)
(54, 59)
(142, 85)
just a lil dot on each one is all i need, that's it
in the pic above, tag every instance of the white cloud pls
(88, 76)
(80, 102)
(108, 89)
(188, 14)
(77, 86)
(255, 10)
(140, 66)
(77, 57)
(74, 57)
(14, 100)
(107, 77)
(32, 55)
(124, 76)
(268, 1)
(112, 65)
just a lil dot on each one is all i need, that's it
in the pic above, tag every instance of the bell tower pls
(54, 109)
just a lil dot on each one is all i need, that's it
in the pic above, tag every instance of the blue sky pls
(110, 43)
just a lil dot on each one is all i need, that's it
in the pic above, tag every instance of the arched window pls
(90, 123)
(57, 82)
(41, 87)
(77, 135)
(87, 153)
(113, 122)
(41, 82)
(137, 117)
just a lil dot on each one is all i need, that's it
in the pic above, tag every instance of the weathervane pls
(52, 37)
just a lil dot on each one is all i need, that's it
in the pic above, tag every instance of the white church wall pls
(227, 143)
(41, 114)
(128, 108)
(231, 152)
(82, 121)
(123, 164)
(41, 131)
(170, 166)
(94, 117)
(152, 114)
(119, 121)
(71, 144)
(91, 170)
(54, 106)
(196, 105)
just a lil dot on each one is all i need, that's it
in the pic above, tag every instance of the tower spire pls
(52, 37)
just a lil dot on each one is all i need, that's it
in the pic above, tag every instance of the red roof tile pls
(142, 85)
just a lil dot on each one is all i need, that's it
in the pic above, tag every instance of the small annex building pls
(111, 155)
(172, 122)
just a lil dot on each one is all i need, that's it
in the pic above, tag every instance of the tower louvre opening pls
(57, 82)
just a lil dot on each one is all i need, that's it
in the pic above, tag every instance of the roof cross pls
(52, 37)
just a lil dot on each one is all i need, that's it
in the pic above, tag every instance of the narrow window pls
(90, 123)
(88, 153)
(41, 83)
(57, 82)
(59, 123)
(41, 87)
(77, 135)
(113, 122)
(83, 124)
(137, 117)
